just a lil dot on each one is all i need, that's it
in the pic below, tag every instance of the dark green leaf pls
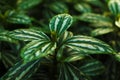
(92, 68)
(28, 35)
(88, 45)
(59, 24)
(26, 4)
(21, 71)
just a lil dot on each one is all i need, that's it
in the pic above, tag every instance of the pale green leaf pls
(92, 68)
(28, 35)
(101, 31)
(59, 24)
(88, 45)
(21, 71)
(37, 49)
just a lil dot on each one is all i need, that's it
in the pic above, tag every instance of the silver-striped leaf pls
(37, 49)
(59, 24)
(26, 4)
(28, 35)
(88, 45)
(92, 68)
(114, 6)
(21, 71)
(70, 72)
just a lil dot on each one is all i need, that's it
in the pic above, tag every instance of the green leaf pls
(70, 72)
(114, 6)
(88, 45)
(26, 4)
(58, 7)
(101, 31)
(28, 35)
(82, 7)
(21, 71)
(37, 49)
(59, 24)
(17, 18)
(94, 18)
(117, 22)
(4, 37)
(92, 68)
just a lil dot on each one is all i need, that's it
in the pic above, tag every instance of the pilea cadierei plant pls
(64, 56)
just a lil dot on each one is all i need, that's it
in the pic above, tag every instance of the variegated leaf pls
(59, 24)
(70, 72)
(26, 4)
(37, 49)
(21, 71)
(92, 68)
(28, 35)
(114, 6)
(88, 45)
(4, 37)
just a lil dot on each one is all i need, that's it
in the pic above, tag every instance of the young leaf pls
(26, 4)
(92, 68)
(114, 6)
(37, 49)
(28, 35)
(21, 71)
(59, 24)
(88, 45)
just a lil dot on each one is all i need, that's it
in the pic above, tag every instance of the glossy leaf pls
(59, 24)
(92, 68)
(26, 4)
(21, 71)
(114, 6)
(37, 49)
(28, 35)
(101, 31)
(117, 22)
(88, 45)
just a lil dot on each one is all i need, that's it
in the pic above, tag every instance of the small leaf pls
(88, 45)
(92, 68)
(28, 35)
(17, 18)
(26, 4)
(59, 24)
(21, 71)
(101, 31)
(37, 49)
(117, 22)
(82, 7)
(114, 6)
(4, 37)
(58, 7)
(94, 18)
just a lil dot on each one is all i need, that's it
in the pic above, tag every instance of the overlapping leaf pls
(28, 35)
(59, 24)
(92, 68)
(21, 71)
(88, 45)
(37, 49)
(114, 6)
